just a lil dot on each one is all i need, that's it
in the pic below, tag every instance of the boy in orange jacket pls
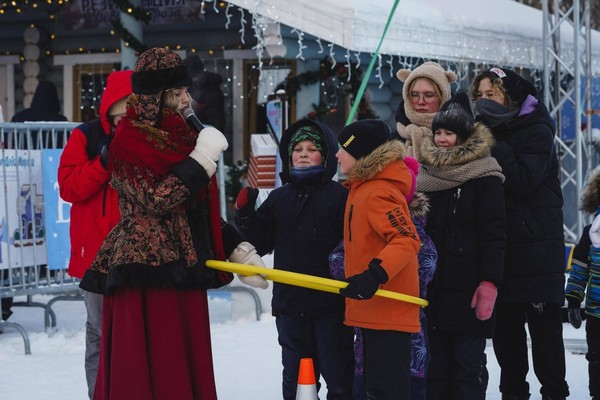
(381, 245)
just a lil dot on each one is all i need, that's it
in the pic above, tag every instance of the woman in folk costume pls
(467, 224)
(425, 89)
(155, 327)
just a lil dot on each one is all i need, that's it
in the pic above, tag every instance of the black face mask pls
(494, 114)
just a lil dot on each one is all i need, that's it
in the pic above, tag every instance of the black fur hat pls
(159, 69)
(455, 115)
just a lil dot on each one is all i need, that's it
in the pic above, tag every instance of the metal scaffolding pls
(567, 78)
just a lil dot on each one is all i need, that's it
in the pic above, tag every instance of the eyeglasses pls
(428, 97)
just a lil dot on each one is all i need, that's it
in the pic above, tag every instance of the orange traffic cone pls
(307, 385)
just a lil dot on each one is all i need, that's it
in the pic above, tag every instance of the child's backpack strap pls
(95, 136)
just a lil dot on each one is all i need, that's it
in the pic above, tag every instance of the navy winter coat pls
(302, 223)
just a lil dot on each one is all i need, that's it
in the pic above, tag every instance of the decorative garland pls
(328, 70)
(140, 14)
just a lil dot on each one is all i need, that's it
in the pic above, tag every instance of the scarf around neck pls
(493, 113)
(140, 151)
(446, 168)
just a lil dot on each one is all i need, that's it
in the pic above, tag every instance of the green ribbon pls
(363, 84)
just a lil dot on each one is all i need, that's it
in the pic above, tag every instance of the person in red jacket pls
(83, 179)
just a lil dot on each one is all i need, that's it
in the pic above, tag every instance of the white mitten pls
(595, 232)
(245, 253)
(209, 146)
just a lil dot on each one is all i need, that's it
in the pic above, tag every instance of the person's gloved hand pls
(595, 232)
(364, 285)
(483, 300)
(574, 313)
(245, 253)
(209, 146)
(245, 201)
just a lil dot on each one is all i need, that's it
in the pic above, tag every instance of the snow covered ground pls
(246, 354)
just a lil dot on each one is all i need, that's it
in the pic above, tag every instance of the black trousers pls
(328, 342)
(386, 364)
(547, 348)
(592, 331)
(457, 367)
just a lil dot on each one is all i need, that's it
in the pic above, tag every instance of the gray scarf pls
(494, 114)
(437, 178)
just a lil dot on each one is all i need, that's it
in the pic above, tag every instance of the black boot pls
(553, 398)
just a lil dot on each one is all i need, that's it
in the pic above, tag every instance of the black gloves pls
(364, 285)
(245, 202)
(574, 313)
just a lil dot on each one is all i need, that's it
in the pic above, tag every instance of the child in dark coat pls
(584, 282)
(302, 221)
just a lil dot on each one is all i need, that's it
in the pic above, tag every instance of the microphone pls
(190, 117)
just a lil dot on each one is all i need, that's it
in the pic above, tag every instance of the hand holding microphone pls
(209, 145)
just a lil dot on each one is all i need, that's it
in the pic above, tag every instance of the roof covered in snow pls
(499, 31)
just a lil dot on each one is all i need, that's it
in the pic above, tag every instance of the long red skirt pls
(155, 346)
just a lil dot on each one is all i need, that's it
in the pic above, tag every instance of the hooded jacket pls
(534, 264)
(467, 224)
(378, 225)
(84, 182)
(584, 277)
(45, 105)
(302, 222)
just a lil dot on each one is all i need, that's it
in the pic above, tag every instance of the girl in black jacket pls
(467, 225)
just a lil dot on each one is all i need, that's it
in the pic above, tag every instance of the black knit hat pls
(517, 87)
(360, 138)
(455, 115)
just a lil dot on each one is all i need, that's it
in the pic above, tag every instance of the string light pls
(228, 15)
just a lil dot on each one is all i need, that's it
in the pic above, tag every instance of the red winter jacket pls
(84, 182)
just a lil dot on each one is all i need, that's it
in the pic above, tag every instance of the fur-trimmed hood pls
(369, 166)
(419, 205)
(477, 146)
(590, 198)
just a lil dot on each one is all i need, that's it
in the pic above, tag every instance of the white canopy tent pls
(491, 31)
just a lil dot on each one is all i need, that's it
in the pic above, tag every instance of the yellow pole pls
(304, 280)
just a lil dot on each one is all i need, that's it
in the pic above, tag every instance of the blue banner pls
(57, 213)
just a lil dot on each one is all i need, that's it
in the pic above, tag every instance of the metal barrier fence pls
(33, 230)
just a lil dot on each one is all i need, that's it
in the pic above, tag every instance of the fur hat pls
(158, 69)
(311, 133)
(455, 115)
(517, 87)
(413, 167)
(431, 70)
(360, 138)
(118, 107)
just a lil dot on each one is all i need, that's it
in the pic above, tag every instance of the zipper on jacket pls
(350, 223)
